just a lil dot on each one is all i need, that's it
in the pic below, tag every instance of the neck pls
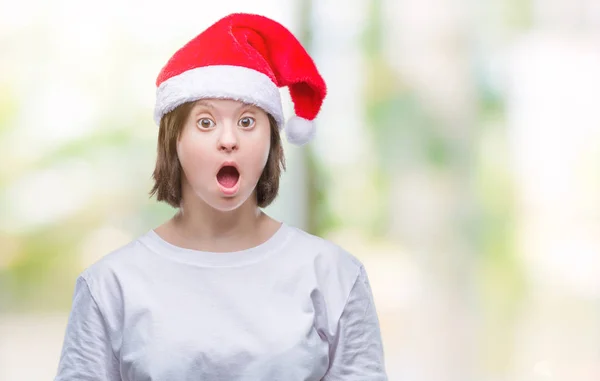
(199, 226)
(205, 223)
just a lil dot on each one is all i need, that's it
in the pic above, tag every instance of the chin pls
(215, 199)
(228, 204)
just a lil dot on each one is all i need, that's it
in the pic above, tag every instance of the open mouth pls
(228, 176)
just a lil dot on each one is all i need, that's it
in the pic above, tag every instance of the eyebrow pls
(243, 106)
(248, 107)
(204, 103)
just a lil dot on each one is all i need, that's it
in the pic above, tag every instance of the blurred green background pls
(457, 156)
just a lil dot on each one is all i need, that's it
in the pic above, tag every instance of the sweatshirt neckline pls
(217, 259)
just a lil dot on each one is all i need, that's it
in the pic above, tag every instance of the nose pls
(228, 139)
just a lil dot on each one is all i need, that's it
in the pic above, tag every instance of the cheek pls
(260, 152)
(193, 160)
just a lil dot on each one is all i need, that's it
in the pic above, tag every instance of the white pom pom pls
(300, 131)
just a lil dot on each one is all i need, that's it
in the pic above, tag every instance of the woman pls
(222, 291)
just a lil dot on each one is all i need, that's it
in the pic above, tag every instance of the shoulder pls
(334, 266)
(334, 270)
(325, 251)
(109, 268)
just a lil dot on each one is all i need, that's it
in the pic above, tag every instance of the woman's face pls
(223, 148)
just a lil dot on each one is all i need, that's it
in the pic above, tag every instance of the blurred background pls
(457, 156)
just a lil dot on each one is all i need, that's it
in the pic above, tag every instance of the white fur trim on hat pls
(219, 81)
(300, 131)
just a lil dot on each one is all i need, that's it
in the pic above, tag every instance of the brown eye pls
(246, 122)
(205, 123)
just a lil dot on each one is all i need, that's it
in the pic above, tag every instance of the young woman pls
(222, 291)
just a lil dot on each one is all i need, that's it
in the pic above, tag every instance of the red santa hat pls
(245, 57)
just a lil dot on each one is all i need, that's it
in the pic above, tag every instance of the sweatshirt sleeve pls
(357, 351)
(86, 353)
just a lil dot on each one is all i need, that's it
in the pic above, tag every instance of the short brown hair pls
(167, 173)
